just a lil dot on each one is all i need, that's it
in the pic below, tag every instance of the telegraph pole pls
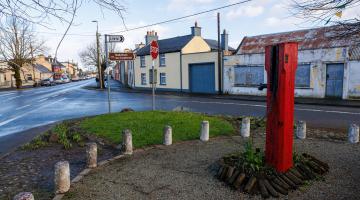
(98, 55)
(219, 55)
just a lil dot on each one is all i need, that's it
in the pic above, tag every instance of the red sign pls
(154, 49)
(121, 56)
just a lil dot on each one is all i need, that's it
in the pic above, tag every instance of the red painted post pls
(280, 64)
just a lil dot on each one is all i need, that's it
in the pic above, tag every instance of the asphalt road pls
(26, 109)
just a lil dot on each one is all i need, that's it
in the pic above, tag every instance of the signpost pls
(110, 39)
(154, 51)
(121, 56)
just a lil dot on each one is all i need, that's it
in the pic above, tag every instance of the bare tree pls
(326, 12)
(40, 11)
(18, 44)
(88, 56)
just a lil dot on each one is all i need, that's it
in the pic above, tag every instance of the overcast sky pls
(254, 18)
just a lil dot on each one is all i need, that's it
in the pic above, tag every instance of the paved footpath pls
(181, 172)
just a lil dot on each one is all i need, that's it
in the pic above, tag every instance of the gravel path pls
(181, 171)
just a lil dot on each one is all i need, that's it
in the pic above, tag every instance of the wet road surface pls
(22, 110)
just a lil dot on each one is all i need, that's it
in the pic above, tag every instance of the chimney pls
(196, 30)
(225, 41)
(150, 36)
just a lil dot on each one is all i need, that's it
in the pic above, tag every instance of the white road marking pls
(264, 106)
(26, 113)
(22, 107)
(12, 98)
(41, 100)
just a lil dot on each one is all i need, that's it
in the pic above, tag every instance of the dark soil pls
(33, 170)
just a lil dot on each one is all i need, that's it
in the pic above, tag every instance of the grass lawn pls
(147, 127)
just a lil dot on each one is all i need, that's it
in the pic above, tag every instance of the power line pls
(184, 17)
(150, 25)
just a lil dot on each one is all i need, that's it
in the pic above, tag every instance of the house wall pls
(196, 45)
(317, 58)
(206, 57)
(172, 70)
(354, 79)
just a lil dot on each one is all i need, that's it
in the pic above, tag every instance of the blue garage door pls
(334, 80)
(202, 78)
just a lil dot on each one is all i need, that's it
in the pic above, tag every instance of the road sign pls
(121, 56)
(154, 49)
(116, 38)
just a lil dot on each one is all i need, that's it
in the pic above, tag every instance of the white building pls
(328, 66)
(186, 63)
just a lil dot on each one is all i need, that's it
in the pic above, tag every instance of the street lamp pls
(98, 53)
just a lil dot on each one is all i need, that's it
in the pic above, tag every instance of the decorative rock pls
(204, 134)
(62, 177)
(354, 133)
(167, 140)
(245, 127)
(301, 130)
(91, 155)
(24, 196)
(127, 146)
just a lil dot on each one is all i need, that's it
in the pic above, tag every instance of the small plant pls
(61, 131)
(36, 143)
(76, 138)
(251, 160)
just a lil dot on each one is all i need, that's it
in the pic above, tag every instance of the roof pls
(169, 45)
(324, 37)
(176, 44)
(42, 68)
(214, 44)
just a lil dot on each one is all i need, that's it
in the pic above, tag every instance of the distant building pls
(328, 65)
(186, 63)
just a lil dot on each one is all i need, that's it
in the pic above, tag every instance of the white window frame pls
(162, 60)
(142, 61)
(162, 75)
(143, 78)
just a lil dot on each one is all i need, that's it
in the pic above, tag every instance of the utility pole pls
(219, 55)
(108, 72)
(98, 55)
(32, 62)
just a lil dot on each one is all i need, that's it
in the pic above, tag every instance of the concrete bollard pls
(353, 133)
(204, 132)
(24, 196)
(127, 146)
(301, 130)
(167, 140)
(245, 127)
(91, 155)
(62, 177)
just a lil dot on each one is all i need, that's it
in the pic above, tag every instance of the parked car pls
(66, 79)
(75, 78)
(59, 81)
(47, 82)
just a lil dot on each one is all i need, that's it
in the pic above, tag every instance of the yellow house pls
(29, 74)
(186, 63)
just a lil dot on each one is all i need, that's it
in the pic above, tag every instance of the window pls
(249, 75)
(151, 76)
(29, 77)
(143, 79)
(302, 79)
(142, 61)
(162, 60)
(162, 78)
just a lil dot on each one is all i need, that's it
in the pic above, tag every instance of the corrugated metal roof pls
(354, 53)
(325, 37)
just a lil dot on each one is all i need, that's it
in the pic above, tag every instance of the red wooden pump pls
(280, 64)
